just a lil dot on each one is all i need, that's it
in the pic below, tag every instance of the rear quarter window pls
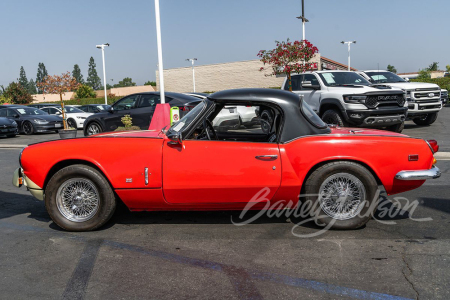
(311, 116)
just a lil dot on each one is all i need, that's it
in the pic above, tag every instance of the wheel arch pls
(69, 162)
(86, 125)
(331, 103)
(320, 164)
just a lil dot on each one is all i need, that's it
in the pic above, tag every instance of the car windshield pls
(29, 111)
(342, 79)
(384, 77)
(312, 117)
(188, 118)
(71, 110)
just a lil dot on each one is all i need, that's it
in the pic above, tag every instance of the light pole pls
(193, 72)
(160, 60)
(304, 20)
(102, 46)
(348, 44)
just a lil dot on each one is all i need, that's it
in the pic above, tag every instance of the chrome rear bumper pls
(432, 173)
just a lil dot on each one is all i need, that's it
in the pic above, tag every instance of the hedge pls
(443, 82)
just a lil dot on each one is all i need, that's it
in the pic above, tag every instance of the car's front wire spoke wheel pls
(78, 199)
(341, 196)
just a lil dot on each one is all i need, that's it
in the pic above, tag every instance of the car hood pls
(364, 131)
(361, 89)
(410, 86)
(130, 133)
(5, 121)
(49, 118)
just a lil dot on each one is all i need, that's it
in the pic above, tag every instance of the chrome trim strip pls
(432, 173)
(146, 176)
(431, 148)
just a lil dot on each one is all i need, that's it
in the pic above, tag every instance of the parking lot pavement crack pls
(407, 269)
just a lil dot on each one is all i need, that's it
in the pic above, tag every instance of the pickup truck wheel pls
(342, 195)
(332, 116)
(79, 198)
(427, 120)
(397, 127)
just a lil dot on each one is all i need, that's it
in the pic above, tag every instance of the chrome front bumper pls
(432, 173)
(20, 179)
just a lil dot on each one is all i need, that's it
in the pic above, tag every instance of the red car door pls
(219, 171)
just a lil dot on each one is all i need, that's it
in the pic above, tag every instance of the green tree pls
(23, 78)
(448, 69)
(31, 87)
(85, 91)
(433, 67)
(17, 94)
(41, 74)
(424, 74)
(76, 73)
(152, 83)
(391, 69)
(127, 81)
(93, 80)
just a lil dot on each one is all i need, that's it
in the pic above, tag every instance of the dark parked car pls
(94, 108)
(8, 128)
(41, 105)
(31, 120)
(140, 107)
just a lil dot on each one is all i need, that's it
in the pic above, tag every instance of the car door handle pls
(266, 157)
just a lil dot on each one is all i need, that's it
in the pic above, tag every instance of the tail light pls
(433, 145)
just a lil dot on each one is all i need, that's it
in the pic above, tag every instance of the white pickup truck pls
(347, 99)
(423, 99)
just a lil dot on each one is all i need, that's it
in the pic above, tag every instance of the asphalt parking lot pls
(162, 255)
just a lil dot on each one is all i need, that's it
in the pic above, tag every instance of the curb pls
(11, 146)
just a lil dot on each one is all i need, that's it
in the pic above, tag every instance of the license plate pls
(58, 125)
(232, 111)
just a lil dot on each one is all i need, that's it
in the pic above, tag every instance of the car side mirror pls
(58, 112)
(17, 116)
(111, 109)
(175, 138)
(306, 84)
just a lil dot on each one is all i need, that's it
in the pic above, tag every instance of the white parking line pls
(12, 146)
(442, 155)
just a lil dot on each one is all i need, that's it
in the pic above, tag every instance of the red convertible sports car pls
(290, 155)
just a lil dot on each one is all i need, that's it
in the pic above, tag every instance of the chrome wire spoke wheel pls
(78, 199)
(341, 196)
(93, 129)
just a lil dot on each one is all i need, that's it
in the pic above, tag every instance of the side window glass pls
(3, 112)
(44, 110)
(149, 100)
(296, 80)
(126, 103)
(11, 113)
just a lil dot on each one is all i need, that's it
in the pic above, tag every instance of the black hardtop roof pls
(295, 123)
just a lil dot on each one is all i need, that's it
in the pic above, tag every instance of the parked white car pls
(227, 118)
(75, 117)
(423, 99)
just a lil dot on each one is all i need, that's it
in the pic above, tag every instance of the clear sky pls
(409, 34)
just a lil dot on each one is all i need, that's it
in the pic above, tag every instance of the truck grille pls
(426, 94)
(384, 100)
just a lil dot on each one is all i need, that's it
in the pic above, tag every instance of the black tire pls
(427, 120)
(27, 128)
(397, 127)
(89, 131)
(12, 135)
(106, 198)
(267, 116)
(319, 176)
(332, 116)
(72, 123)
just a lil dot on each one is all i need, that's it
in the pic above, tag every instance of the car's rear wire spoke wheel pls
(93, 129)
(78, 199)
(341, 196)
